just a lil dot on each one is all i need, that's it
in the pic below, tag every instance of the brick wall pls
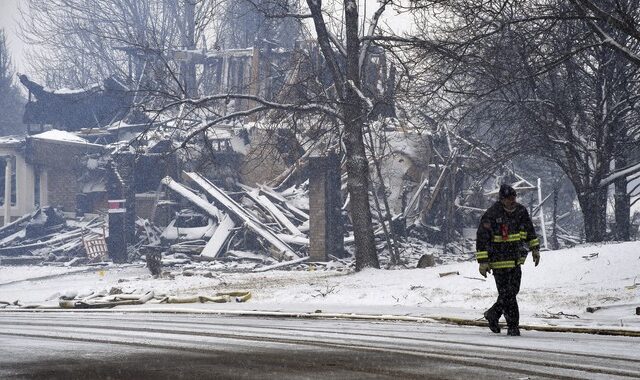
(317, 212)
(63, 188)
(63, 163)
(325, 201)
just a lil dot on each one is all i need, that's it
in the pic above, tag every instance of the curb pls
(321, 315)
(574, 329)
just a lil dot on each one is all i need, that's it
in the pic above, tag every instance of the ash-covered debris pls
(46, 235)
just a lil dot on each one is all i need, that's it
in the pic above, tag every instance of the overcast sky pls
(9, 22)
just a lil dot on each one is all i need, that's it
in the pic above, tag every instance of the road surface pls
(66, 345)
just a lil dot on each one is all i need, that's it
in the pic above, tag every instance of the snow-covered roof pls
(11, 140)
(57, 135)
(63, 91)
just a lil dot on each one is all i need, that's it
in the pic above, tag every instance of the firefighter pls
(504, 236)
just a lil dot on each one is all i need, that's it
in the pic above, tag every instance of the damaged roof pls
(72, 110)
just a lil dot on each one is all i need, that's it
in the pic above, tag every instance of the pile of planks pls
(274, 224)
(60, 242)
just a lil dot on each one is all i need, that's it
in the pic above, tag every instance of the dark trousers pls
(508, 284)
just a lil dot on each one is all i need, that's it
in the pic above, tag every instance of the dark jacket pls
(503, 238)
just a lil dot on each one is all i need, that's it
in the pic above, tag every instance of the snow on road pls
(558, 291)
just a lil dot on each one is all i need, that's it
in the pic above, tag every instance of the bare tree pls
(530, 78)
(76, 43)
(621, 16)
(11, 103)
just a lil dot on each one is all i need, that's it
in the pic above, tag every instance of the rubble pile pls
(47, 235)
(255, 229)
(256, 225)
(259, 229)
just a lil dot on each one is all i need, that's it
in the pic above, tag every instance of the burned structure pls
(72, 110)
(262, 185)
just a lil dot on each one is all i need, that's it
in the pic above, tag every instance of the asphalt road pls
(168, 346)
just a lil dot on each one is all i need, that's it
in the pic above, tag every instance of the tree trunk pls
(188, 68)
(622, 205)
(357, 163)
(354, 115)
(554, 236)
(593, 203)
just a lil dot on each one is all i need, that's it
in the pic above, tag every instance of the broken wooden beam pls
(273, 210)
(295, 239)
(232, 206)
(593, 309)
(283, 201)
(214, 246)
(14, 226)
(16, 250)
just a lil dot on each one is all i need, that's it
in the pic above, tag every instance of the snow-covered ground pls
(557, 292)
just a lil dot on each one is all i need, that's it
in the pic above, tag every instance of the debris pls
(281, 265)
(154, 261)
(273, 210)
(189, 225)
(96, 248)
(593, 309)
(44, 221)
(448, 273)
(222, 297)
(214, 247)
(108, 301)
(231, 206)
(76, 261)
(558, 315)
(475, 278)
(426, 261)
(591, 256)
(41, 236)
(15, 226)
(193, 247)
(21, 260)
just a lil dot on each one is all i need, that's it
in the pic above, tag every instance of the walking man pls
(504, 236)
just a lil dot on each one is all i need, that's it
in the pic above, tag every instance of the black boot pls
(513, 331)
(493, 323)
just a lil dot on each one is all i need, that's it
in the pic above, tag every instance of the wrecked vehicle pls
(189, 225)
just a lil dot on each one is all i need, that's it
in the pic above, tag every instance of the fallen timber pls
(231, 207)
(214, 246)
(274, 211)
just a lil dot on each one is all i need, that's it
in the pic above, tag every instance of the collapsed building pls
(251, 188)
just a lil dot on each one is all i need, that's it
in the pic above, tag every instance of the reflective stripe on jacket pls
(504, 238)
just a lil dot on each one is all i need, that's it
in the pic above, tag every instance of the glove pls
(484, 268)
(536, 256)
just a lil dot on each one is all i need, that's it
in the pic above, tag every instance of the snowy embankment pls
(557, 292)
